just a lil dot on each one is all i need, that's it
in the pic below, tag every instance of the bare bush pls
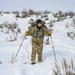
(31, 19)
(71, 14)
(18, 30)
(47, 41)
(12, 26)
(15, 12)
(37, 13)
(1, 26)
(47, 18)
(6, 12)
(6, 24)
(12, 30)
(71, 35)
(44, 16)
(17, 16)
(24, 14)
(65, 69)
(68, 34)
(46, 12)
(55, 15)
(31, 12)
(73, 23)
(51, 23)
(0, 62)
(60, 15)
(0, 12)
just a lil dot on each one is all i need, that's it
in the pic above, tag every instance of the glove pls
(49, 33)
(26, 33)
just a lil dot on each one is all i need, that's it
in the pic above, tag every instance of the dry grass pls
(65, 69)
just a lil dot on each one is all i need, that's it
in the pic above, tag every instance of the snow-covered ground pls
(64, 48)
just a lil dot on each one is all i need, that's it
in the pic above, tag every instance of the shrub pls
(11, 29)
(68, 34)
(71, 14)
(0, 62)
(24, 14)
(72, 36)
(31, 19)
(15, 12)
(0, 12)
(37, 13)
(51, 23)
(46, 12)
(55, 15)
(58, 19)
(1, 26)
(18, 30)
(17, 15)
(47, 41)
(46, 18)
(31, 12)
(65, 68)
(73, 23)
(12, 26)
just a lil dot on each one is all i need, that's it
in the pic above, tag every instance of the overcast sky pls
(51, 5)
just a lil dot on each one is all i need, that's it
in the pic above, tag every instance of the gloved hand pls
(49, 33)
(26, 33)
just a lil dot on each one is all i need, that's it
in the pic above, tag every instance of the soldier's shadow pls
(51, 54)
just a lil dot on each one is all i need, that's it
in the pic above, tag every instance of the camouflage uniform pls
(37, 41)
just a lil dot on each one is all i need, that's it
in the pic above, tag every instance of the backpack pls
(34, 23)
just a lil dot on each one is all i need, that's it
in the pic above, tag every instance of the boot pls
(40, 60)
(32, 62)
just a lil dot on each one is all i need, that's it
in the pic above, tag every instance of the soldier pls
(37, 32)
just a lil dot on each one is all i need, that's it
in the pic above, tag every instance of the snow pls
(63, 45)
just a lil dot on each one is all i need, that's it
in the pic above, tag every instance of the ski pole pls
(19, 47)
(53, 49)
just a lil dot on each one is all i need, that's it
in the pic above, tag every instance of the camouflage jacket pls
(38, 34)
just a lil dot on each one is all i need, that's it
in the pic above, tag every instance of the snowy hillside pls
(64, 47)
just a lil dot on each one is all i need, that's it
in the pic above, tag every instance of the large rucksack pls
(34, 23)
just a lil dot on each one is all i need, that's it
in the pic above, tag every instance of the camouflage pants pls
(36, 47)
